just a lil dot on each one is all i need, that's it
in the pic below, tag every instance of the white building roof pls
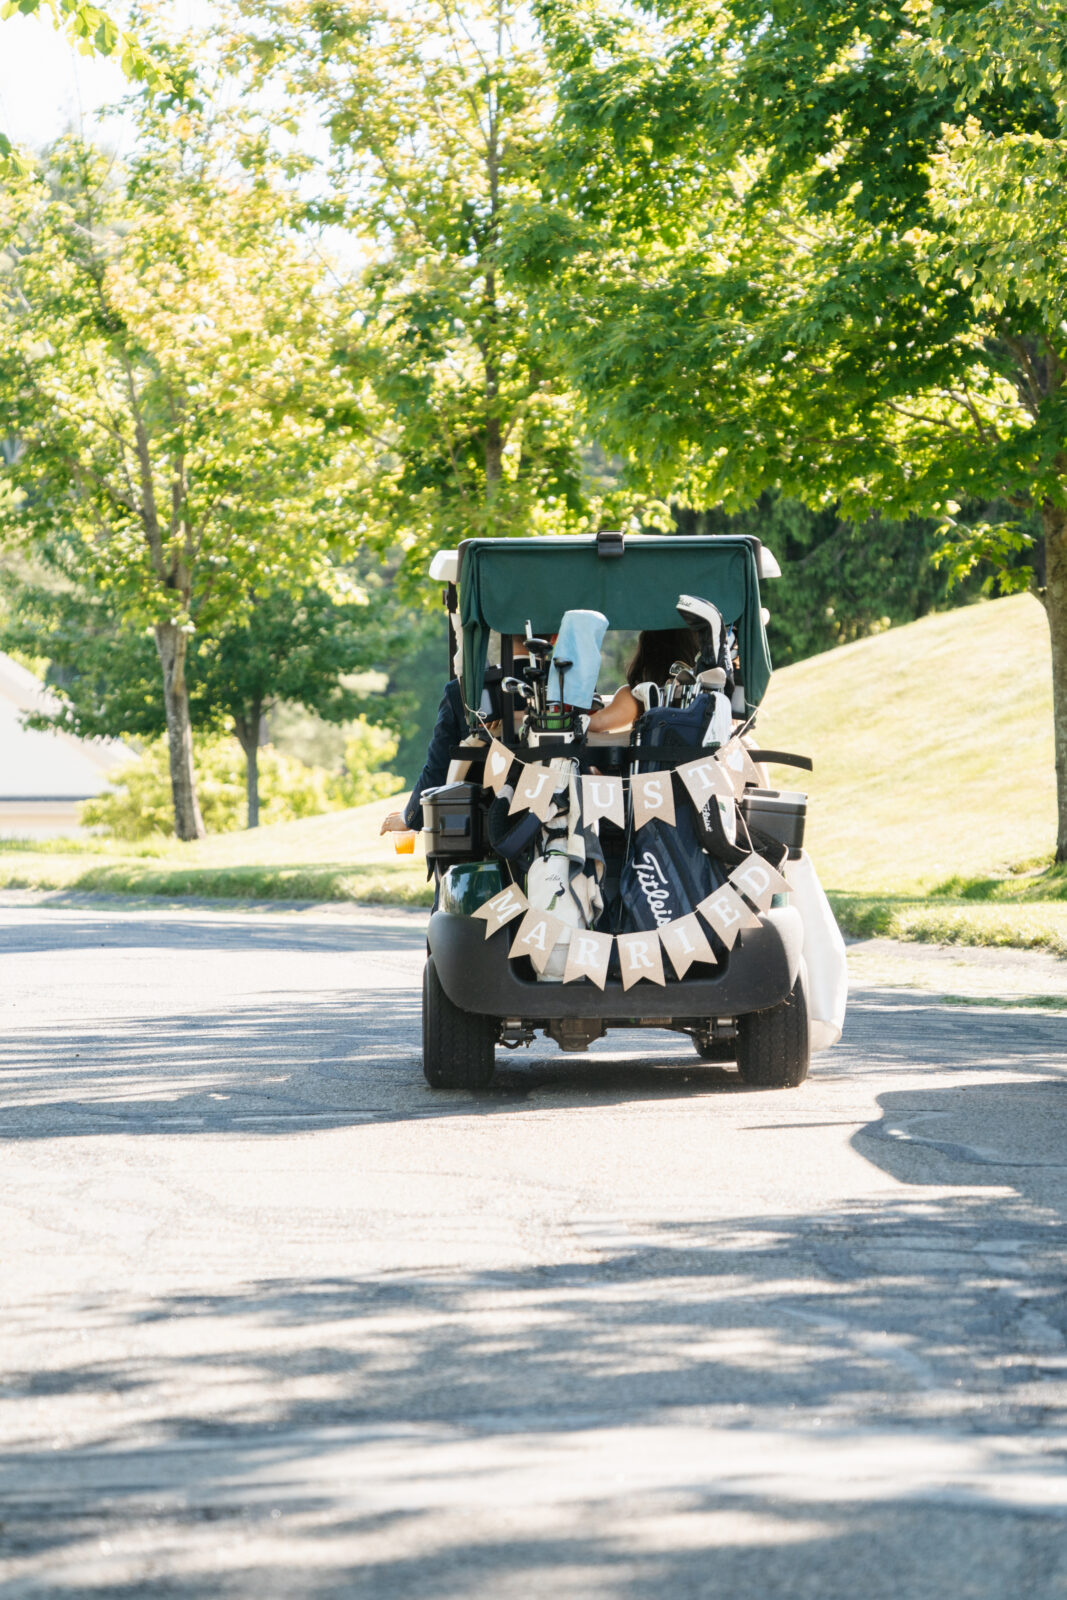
(46, 766)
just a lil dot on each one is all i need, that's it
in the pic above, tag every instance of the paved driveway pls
(280, 1322)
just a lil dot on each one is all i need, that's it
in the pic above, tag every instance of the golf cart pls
(744, 997)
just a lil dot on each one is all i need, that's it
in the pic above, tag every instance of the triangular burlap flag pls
(534, 791)
(703, 778)
(498, 911)
(685, 942)
(539, 934)
(653, 795)
(602, 797)
(726, 913)
(588, 956)
(640, 957)
(498, 759)
(758, 881)
(739, 764)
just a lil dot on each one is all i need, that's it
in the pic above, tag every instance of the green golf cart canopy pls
(503, 583)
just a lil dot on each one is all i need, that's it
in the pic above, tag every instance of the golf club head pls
(705, 619)
(647, 695)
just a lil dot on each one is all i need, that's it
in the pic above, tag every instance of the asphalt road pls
(278, 1321)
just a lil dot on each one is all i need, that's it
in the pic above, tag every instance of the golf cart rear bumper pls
(477, 976)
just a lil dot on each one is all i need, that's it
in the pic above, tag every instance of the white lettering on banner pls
(705, 778)
(640, 957)
(637, 954)
(501, 908)
(653, 798)
(534, 791)
(758, 881)
(685, 942)
(602, 797)
(652, 882)
(588, 957)
(726, 912)
(538, 935)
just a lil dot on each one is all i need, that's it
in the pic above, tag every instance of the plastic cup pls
(404, 843)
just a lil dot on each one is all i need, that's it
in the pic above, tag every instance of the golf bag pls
(668, 870)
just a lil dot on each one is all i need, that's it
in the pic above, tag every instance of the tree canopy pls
(817, 247)
(169, 375)
(437, 175)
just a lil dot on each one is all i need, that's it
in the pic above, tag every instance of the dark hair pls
(657, 650)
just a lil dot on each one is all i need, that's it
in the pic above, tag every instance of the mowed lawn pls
(932, 746)
(933, 786)
(338, 856)
(932, 810)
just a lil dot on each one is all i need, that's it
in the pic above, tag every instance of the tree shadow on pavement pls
(790, 1406)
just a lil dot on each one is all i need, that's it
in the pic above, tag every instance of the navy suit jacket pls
(450, 729)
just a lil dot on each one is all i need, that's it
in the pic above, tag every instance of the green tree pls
(292, 649)
(818, 247)
(167, 367)
(137, 803)
(437, 117)
(94, 33)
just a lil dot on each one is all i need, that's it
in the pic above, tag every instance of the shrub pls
(138, 804)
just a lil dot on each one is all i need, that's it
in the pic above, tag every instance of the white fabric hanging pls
(824, 953)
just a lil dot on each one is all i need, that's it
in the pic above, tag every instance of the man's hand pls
(394, 823)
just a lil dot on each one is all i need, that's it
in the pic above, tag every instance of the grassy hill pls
(933, 786)
(932, 746)
(932, 803)
(338, 856)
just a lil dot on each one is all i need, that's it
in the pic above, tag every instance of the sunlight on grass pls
(339, 856)
(932, 746)
(932, 804)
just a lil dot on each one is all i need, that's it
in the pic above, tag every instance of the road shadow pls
(318, 1060)
(383, 1430)
(67, 934)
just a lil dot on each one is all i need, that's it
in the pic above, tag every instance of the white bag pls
(824, 953)
(548, 889)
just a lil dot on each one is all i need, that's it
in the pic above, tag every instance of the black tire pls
(458, 1047)
(773, 1047)
(717, 1049)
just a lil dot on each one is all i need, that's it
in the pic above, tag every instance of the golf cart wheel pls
(716, 1049)
(457, 1046)
(773, 1047)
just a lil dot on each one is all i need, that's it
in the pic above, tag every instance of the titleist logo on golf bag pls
(652, 882)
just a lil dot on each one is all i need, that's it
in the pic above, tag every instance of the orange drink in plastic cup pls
(404, 843)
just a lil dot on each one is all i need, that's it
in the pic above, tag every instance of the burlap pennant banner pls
(588, 956)
(758, 881)
(653, 797)
(539, 934)
(685, 942)
(502, 909)
(498, 759)
(726, 914)
(640, 957)
(534, 791)
(703, 778)
(739, 764)
(602, 797)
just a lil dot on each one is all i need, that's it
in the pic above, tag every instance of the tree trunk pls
(1054, 519)
(247, 728)
(171, 646)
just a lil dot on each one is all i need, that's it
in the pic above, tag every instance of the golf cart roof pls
(503, 583)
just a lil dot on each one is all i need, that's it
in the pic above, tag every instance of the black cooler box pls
(778, 813)
(454, 823)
